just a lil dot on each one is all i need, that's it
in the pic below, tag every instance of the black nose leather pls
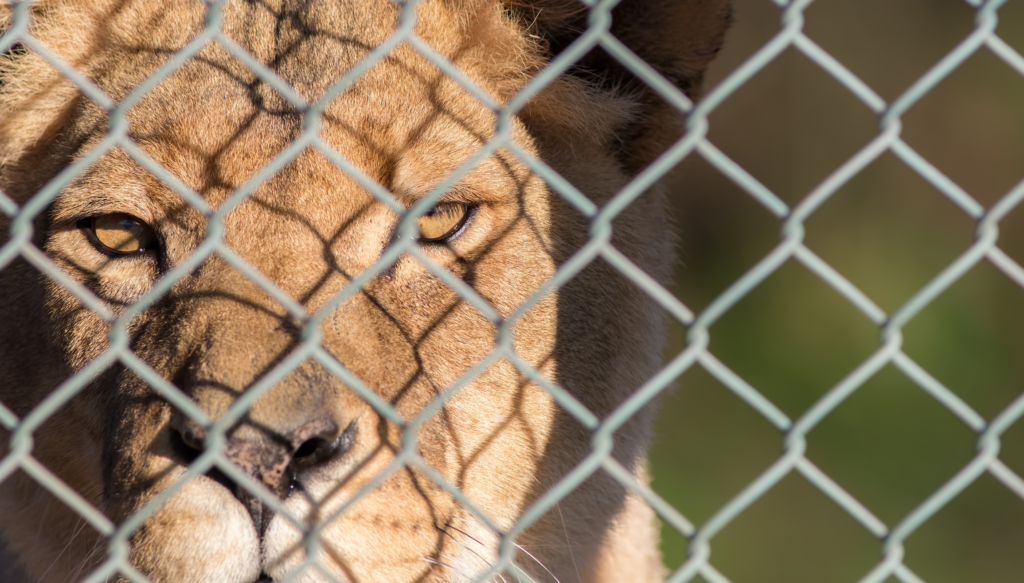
(273, 459)
(269, 459)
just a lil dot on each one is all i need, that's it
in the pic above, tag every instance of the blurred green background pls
(889, 232)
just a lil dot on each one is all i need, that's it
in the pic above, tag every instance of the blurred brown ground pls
(889, 232)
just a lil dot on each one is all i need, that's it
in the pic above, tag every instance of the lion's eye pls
(121, 234)
(443, 221)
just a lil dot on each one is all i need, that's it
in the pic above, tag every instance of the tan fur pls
(310, 229)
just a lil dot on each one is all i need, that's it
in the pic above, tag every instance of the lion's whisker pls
(96, 548)
(467, 547)
(542, 566)
(464, 545)
(79, 527)
(42, 521)
(466, 534)
(447, 566)
(568, 542)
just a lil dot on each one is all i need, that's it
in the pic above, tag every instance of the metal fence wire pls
(694, 143)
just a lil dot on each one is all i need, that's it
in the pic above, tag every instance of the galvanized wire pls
(695, 142)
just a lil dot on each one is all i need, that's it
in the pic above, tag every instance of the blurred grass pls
(889, 232)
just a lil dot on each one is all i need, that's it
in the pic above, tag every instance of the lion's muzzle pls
(272, 458)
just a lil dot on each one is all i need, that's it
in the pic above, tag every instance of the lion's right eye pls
(443, 221)
(120, 234)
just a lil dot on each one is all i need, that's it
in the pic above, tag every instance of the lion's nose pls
(273, 458)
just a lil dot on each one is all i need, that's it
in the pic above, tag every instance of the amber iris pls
(122, 234)
(442, 221)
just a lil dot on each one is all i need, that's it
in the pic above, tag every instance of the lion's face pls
(331, 372)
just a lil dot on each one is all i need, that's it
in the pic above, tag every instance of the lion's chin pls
(203, 534)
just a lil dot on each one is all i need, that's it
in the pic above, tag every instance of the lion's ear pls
(678, 38)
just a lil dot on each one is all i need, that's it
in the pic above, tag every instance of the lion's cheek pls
(201, 535)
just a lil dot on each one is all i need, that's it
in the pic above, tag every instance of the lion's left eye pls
(121, 234)
(443, 221)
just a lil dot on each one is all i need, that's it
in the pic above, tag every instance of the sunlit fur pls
(311, 228)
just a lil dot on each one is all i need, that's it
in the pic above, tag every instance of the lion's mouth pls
(264, 578)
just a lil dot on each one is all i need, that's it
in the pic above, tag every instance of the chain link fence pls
(792, 219)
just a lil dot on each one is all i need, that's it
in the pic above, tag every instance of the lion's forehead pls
(243, 135)
(322, 56)
(237, 132)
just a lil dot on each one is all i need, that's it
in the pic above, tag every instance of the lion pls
(291, 285)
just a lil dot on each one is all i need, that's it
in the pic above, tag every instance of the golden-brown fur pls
(310, 229)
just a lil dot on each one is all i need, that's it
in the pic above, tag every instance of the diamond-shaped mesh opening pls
(708, 444)
(475, 401)
(980, 530)
(888, 464)
(978, 150)
(809, 115)
(889, 44)
(794, 533)
(780, 338)
(978, 335)
(711, 256)
(889, 231)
